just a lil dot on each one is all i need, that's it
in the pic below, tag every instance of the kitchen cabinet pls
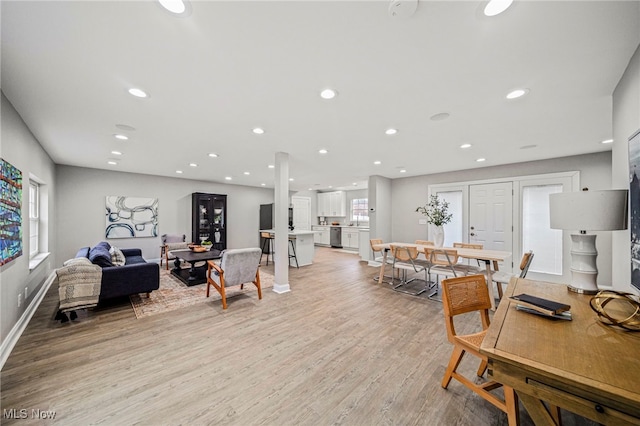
(365, 246)
(321, 236)
(332, 204)
(350, 238)
(209, 219)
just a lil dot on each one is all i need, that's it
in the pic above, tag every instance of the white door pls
(491, 217)
(301, 213)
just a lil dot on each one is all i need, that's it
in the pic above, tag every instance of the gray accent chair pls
(172, 242)
(237, 267)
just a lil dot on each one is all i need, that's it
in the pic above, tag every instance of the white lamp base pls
(584, 269)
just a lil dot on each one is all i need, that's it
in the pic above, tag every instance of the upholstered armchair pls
(171, 242)
(237, 267)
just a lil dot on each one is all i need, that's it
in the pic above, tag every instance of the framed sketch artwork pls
(131, 217)
(634, 202)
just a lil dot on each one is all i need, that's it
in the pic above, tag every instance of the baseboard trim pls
(281, 288)
(12, 338)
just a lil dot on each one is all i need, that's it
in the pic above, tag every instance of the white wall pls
(626, 120)
(22, 150)
(380, 220)
(81, 203)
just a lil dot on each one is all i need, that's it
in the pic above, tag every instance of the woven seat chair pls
(378, 256)
(404, 259)
(460, 296)
(471, 269)
(171, 242)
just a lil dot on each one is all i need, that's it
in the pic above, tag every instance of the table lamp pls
(587, 211)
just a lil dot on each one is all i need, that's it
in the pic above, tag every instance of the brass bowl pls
(198, 249)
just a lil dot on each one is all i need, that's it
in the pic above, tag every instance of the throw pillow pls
(99, 255)
(77, 261)
(117, 257)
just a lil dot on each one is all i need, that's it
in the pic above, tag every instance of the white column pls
(281, 221)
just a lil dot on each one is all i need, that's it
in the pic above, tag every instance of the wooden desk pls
(581, 365)
(487, 256)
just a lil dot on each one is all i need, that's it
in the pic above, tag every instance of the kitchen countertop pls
(345, 226)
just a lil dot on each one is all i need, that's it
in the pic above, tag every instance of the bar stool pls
(268, 245)
(293, 247)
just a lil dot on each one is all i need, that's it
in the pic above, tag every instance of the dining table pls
(488, 257)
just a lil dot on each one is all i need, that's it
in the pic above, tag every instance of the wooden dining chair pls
(502, 278)
(471, 269)
(464, 295)
(378, 256)
(404, 260)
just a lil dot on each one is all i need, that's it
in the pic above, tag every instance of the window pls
(537, 234)
(34, 218)
(360, 210)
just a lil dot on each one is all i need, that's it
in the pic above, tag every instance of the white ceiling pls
(231, 66)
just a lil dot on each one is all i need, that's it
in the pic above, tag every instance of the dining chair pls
(424, 262)
(442, 262)
(378, 256)
(404, 259)
(471, 269)
(267, 245)
(463, 295)
(502, 277)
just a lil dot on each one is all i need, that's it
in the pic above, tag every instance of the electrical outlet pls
(19, 300)
(26, 293)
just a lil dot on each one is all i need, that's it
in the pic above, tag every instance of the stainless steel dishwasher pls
(336, 237)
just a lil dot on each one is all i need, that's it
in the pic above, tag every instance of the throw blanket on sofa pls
(79, 284)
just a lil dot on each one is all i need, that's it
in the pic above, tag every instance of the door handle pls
(472, 234)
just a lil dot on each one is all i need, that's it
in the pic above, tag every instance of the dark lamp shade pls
(589, 210)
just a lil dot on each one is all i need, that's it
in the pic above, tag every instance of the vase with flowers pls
(437, 213)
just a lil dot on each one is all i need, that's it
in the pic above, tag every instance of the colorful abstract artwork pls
(131, 217)
(10, 212)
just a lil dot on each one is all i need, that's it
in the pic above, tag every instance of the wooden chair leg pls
(482, 368)
(454, 361)
(257, 284)
(223, 296)
(499, 286)
(511, 403)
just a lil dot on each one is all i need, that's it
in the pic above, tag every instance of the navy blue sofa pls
(135, 276)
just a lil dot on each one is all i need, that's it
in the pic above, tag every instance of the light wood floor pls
(337, 349)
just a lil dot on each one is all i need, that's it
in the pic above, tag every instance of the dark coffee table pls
(194, 275)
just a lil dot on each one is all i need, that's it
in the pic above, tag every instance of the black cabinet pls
(210, 219)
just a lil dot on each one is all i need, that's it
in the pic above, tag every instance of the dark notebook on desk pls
(544, 306)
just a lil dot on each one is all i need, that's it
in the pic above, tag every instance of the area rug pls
(174, 294)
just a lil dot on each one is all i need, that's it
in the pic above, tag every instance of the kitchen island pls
(303, 243)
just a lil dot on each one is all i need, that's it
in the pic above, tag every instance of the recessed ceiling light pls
(465, 145)
(328, 94)
(330, 186)
(247, 173)
(391, 131)
(517, 93)
(440, 116)
(310, 189)
(496, 7)
(121, 137)
(290, 179)
(271, 166)
(179, 172)
(174, 6)
(355, 183)
(116, 152)
(263, 184)
(607, 141)
(480, 160)
(213, 155)
(403, 171)
(138, 93)
(377, 163)
(323, 151)
(258, 131)
(113, 163)
(193, 165)
(227, 178)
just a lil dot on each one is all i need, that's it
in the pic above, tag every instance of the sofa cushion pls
(99, 255)
(117, 257)
(131, 260)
